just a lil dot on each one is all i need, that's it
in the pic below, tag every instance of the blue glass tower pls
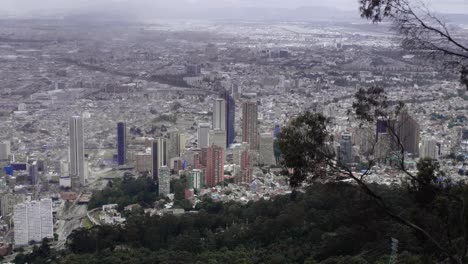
(121, 143)
(230, 118)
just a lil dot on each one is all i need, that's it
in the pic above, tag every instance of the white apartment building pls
(33, 221)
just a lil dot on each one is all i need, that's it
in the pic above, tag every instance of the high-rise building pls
(33, 172)
(196, 161)
(144, 162)
(365, 138)
(176, 144)
(230, 118)
(218, 138)
(9, 200)
(21, 225)
(429, 149)
(41, 165)
(219, 114)
(76, 153)
(33, 221)
(47, 220)
(246, 167)
(203, 135)
(214, 166)
(5, 150)
(121, 143)
(346, 148)
(383, 147)
(159, 153)
(203, 157)
(236, 91)
(196, 179)
(250, 124)
(266, 151)
(382, 126)
(164, 181)
(407, 129)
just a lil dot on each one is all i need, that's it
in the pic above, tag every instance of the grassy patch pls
(87, 223)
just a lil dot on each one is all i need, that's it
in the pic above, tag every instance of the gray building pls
(266, 152)
(159, 156)
(76, 153)
(346, 148)
(33, 172)
(164, 181)
(203, 135)
(429, 149)
(5, 151)
(219, 114)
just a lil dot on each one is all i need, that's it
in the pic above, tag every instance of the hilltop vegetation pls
(331, 223)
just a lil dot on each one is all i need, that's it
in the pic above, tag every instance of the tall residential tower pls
(159, 156)
(219, 114)
(76, 152)
(249, 124)
(230, 118)
(203, 135)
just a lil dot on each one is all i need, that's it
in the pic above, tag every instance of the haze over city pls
(152, 9)
(233, 131)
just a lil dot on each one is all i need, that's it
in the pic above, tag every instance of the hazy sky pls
(21, 6)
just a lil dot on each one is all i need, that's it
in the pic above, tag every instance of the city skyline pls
(262, 131)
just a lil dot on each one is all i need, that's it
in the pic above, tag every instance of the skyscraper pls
(407, 129)
(8, 201)
(121, 143)
(47, 219)
(76, 152)
(266, 151)
(164, 181)
(196, 161)
(429, 149)
(33, 172)
(219, 114)
(159, 153)
(5, 151)
(346, 148)
(230, 118)
(382, 126)
(20, 221)
(218, 138)
(214, 166)
(203, 135)
(176, 144)
(246, 167)
(144, 162)
(249, 124)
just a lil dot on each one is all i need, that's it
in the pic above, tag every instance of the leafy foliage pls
(303, 145)
(329, 223)
(126, 191)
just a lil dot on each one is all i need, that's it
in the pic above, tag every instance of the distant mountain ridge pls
(136, 12)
